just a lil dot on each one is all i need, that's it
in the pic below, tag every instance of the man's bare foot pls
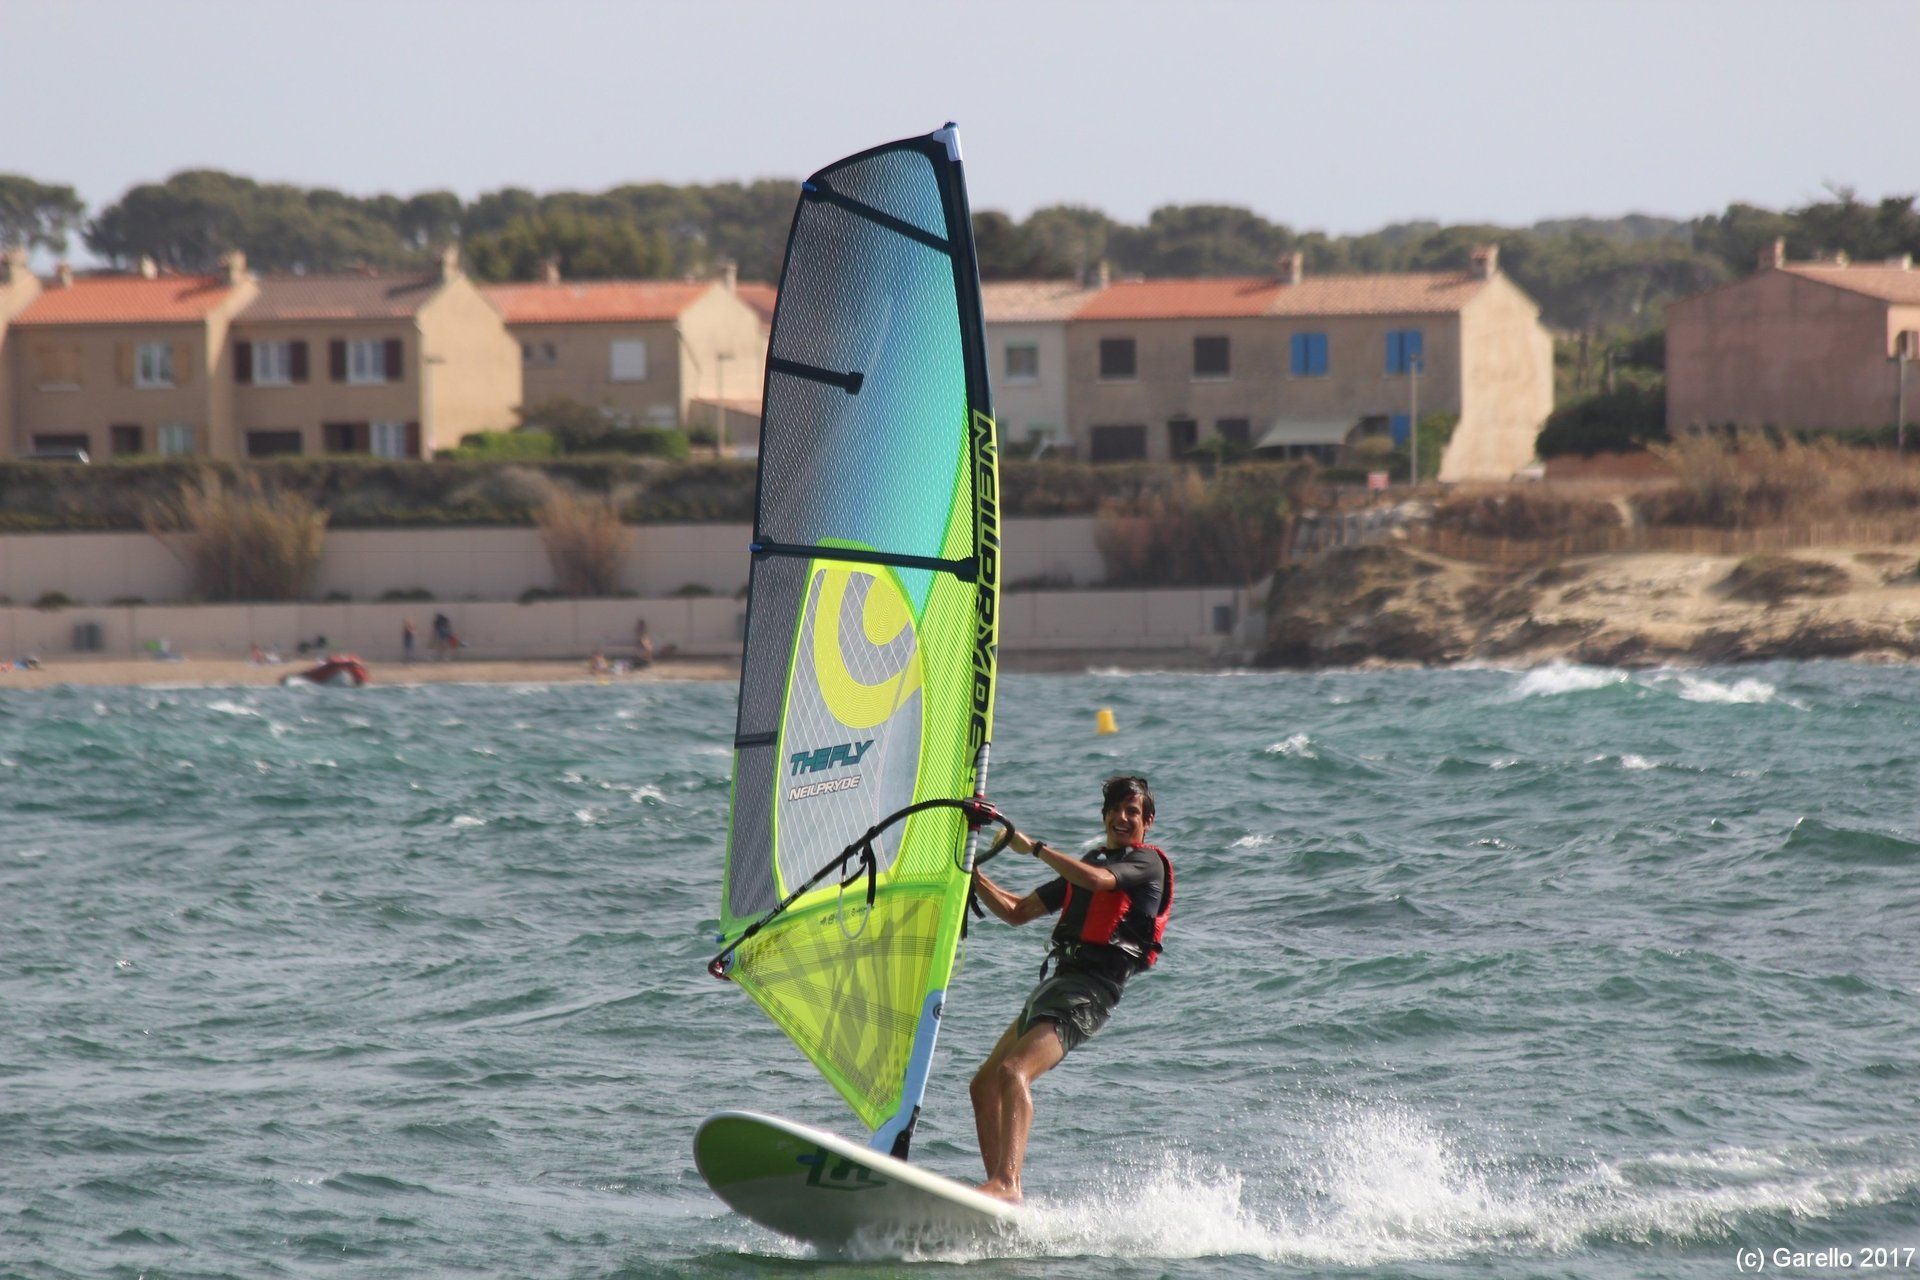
(999, 1191)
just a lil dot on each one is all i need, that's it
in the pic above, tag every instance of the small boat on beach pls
(344, 669)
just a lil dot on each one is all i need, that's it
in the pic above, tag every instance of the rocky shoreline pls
(1389, 604)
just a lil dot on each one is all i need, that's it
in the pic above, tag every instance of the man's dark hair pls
(1115, 791)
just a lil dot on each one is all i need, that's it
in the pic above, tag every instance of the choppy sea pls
(1476, 973)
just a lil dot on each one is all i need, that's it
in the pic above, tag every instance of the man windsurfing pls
(1113, 905)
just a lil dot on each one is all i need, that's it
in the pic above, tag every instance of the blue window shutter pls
(1413, 343)
(1402, 430)
(1300, 360)
(1318, 359)
(1394, 351)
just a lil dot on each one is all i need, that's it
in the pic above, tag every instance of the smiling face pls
(1126, 822)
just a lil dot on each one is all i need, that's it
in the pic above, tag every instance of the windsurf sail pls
(867, 682)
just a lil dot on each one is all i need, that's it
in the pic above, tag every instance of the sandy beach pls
(230, 671)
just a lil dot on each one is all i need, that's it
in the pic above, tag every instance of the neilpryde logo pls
(823, 758)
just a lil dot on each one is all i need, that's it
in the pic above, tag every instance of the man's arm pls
(1004, 904)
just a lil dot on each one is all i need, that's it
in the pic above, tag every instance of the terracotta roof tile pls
(1012, 301)
(1226, 297)
(760, 297)
(595, 301)
(126, 299)
(1211, 298)
(1890, 284)
(343, 297)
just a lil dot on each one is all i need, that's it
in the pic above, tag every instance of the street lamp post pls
(720, 403)
(1413, 421)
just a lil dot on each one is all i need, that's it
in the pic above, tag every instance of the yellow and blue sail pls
(868, 675)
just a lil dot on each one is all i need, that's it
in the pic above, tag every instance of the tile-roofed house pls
(358, 296)
(688, 353)
(397, 366)
(18, 288)
(123, 362)
(1311, 365)
(1026, 323)
(1797, 344)
(761, 298)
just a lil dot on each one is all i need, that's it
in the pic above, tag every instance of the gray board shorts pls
(1077, 998)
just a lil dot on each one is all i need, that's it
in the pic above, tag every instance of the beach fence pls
(1455, 545)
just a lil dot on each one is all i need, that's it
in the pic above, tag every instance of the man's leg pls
(986, 1098)
(1008, 1077)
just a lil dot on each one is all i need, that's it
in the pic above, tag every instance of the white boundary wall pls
(478, 564)
(1186, 619)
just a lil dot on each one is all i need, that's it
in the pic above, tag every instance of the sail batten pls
(867, 678)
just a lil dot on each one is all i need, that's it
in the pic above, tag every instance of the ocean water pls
(1474, 973)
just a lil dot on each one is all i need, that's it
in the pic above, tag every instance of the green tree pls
(587, 247)
(35, 215)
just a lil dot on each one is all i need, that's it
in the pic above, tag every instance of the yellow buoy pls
(1104, 722)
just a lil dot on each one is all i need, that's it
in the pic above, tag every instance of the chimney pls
(13, 267)
(1102, 275)
(550, 270)
(1841, 258)
(234, 264)
(1485, 260)
(149, 269)
(1292, 267)
(730, 275)
(450, 262)
(64, 274)
(1774, 256)
(1901, 262)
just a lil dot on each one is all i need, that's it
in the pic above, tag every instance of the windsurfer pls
(1115, 902)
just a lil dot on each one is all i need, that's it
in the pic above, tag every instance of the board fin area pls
(820, 1188)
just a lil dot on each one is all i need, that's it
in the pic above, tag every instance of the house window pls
(344, 437)
(539, 353)
(1236, 431)
(127, 438)
(1309, 355)
(388, 439)
(153, 365)
(366, 360)
(627, 361)
(1117, 444)
(1403, 350)
(1023, 362)
(272, 444)
(1182, 435)
(273, 363)
(1117, 358)
(175, 439)
(76, 445)
(1212, 358)
(59, 368)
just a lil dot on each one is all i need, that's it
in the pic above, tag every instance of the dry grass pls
(586, 542)
(241, 541)
(1771, 579)
(1530, 512)
(1755, 479)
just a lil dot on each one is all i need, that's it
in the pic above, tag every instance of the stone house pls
(1026, 322)
(1305, 365)
(394, 366)
(124, 363)
(659, 352)
(1796, 344)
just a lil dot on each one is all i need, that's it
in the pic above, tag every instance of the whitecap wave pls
(467, 820)
(1559, 678)
(1695, 688)
(227, 708)
(1298, 747)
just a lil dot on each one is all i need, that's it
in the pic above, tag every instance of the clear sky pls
(1340, 116)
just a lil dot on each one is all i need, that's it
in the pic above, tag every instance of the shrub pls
(51, 600)
(1628, 418)
(520, 444)
(240, 541)
(586, 542)
(692, 591)
(1524, 514)
(1741, 480)
(1231, 531)
(398, 595)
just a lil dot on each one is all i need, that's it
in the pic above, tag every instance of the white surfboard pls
(824, 1190)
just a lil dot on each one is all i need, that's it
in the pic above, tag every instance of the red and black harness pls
(1104, 925)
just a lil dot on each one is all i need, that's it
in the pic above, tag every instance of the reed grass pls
(240, 540)
(586, 541)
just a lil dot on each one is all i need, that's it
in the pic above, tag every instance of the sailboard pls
(866, 688)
